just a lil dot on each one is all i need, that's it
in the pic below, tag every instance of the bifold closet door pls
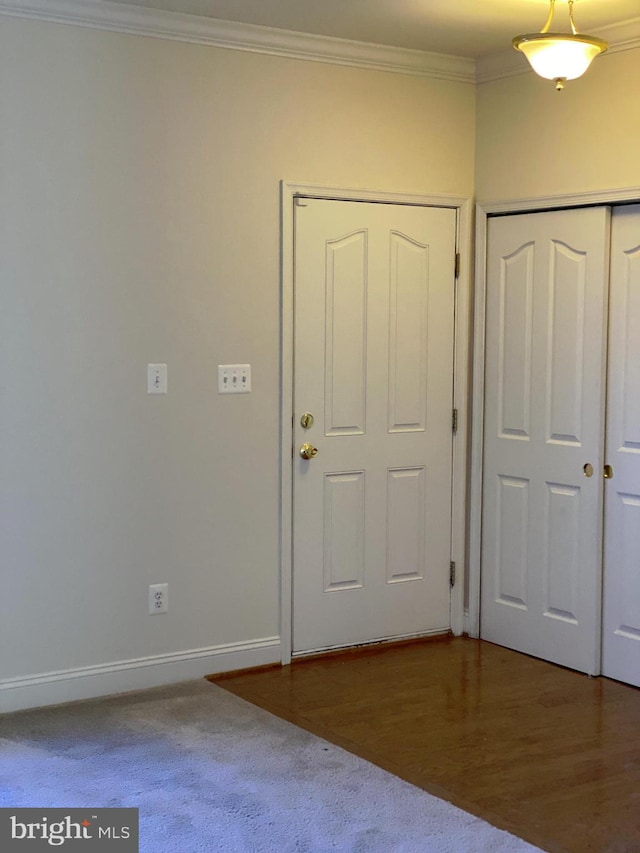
(541, 579)
(621, 621)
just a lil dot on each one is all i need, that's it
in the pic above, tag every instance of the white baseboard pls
(53, 688)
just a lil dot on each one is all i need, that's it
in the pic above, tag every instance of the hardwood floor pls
(548, 754)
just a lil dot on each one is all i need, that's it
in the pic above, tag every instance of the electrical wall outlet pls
(158, 598)
(234, 378)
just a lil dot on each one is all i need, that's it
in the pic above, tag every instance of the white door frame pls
(289, 190)
(483, 211)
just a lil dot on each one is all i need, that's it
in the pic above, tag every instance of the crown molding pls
(509, 63)
(176, 26)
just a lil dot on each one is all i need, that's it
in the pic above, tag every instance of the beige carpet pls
(210, 772)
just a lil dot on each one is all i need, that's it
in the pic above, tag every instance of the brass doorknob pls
(608, 472)
(308, 451)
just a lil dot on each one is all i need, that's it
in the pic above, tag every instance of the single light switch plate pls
(156, 379)
(234, 378)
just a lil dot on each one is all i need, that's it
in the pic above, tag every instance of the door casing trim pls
(483, 211)
(289, 190)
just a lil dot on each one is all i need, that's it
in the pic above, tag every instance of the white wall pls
(534, 141)
(139, 223)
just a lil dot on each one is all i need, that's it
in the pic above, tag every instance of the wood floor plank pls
(546, 753)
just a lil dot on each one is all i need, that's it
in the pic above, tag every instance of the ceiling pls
(471, 28)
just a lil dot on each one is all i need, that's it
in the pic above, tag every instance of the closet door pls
(621, 622)
(544, 426)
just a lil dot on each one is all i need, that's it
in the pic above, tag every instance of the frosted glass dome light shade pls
(559, 56)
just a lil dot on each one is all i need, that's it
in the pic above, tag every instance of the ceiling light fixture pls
(559, 56)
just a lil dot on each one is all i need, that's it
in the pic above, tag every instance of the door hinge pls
(457, 265)
(452, 573)
(454, 421)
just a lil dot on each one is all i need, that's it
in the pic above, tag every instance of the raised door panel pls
(565, 343)
(516, 326)
(562, 552)
(406, 490)
(627, 350)
(408, 334)
(512, 542)
(346, 334)
(344, 523)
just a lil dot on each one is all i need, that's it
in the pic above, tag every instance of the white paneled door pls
(547, 277)
(621, 619)
(373, 379)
